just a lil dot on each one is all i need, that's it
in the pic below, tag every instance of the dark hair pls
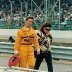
(45, 25)
(30, 17)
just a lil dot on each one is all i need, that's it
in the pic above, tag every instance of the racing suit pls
(23, 44)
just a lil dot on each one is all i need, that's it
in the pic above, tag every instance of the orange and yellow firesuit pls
(24, 41)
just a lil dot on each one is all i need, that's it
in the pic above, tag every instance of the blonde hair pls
(29, 17)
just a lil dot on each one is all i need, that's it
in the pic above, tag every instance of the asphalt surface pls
(58, 65)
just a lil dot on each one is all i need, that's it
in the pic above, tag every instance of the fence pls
(58, 52)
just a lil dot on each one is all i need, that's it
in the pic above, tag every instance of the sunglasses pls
(48, 29)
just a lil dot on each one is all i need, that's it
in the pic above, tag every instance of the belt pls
(26, 44)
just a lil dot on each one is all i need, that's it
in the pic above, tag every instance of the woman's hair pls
(45, 25)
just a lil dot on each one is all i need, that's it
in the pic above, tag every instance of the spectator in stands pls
(10, 20)
(45, 40)
(26, 36)
(19, 22)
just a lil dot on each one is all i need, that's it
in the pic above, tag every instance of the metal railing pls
(58, 52)
(61, 52)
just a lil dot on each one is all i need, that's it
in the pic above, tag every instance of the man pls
(26, 37)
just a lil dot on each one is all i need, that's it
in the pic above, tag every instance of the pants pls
(48, 59)
(26, 57)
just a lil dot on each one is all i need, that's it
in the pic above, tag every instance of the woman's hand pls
(38, 51)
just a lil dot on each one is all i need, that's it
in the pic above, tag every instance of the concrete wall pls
(58, 36)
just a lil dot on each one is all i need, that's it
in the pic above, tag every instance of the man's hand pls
(16, 53)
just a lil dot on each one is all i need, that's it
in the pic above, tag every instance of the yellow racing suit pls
(23, 44)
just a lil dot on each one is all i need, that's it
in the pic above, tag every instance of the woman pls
(45, 40)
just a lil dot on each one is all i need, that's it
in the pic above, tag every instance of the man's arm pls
(17, 43)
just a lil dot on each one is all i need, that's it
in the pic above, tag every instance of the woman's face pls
(46, 29)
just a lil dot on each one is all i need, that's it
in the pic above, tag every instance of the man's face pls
(29, 22)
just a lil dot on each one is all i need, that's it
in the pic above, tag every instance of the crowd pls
(17, 19)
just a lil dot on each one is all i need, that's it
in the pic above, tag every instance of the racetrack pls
(58, 66)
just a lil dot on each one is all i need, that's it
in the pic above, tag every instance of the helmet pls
(13, 61)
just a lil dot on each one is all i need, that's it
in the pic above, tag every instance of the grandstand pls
(58, 12)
